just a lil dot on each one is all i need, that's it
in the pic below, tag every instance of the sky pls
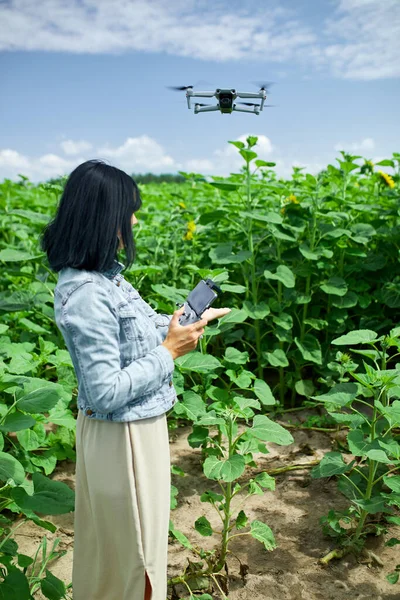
(83, 79)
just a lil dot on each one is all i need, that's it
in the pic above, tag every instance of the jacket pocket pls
(131, 322)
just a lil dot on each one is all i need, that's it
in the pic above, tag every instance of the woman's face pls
(133, 222)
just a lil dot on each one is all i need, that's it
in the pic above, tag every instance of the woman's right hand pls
(182, 339)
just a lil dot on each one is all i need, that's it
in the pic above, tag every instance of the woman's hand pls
(182, 339)
(215, 313)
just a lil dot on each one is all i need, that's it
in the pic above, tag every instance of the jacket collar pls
(114, 270)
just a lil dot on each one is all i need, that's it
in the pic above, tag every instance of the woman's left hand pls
(215, 313)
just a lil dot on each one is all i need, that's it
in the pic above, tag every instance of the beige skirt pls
(122, 509)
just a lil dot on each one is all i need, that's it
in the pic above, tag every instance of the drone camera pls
(226, 100)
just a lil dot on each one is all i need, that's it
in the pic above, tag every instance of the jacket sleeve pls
(161, 320)
(93, 324)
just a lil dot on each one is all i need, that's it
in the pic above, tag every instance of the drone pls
(225, 100)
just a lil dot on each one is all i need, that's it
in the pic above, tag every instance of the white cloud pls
(360, 39)
(210, 31)
(36, 169)
(227, 159)
(365, 144)
(139, 153)
(71, 148)
(135, 155)
(366, 36)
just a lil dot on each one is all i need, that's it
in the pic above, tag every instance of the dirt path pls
(291, 571)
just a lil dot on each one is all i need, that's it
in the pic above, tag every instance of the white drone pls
(225, 100)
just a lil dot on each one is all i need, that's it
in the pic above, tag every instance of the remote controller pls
(199, 299)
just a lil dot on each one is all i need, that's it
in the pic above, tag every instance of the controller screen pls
(200, 297)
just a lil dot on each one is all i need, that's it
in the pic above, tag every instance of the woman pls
(123, 354)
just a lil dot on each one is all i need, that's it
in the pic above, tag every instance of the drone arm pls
(198, 109)
(246, 110)
(203, 94)
(260, 94)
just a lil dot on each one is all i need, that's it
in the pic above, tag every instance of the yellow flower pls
(182, 204)
(191, 227)
(292, 198)
(385, 178)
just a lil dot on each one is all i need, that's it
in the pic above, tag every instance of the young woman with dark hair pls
(123, 354)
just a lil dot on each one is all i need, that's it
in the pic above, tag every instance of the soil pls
(289, 572)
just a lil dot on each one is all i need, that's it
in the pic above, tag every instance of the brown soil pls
(293, 510)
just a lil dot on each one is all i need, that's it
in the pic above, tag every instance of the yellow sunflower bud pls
(386, 179)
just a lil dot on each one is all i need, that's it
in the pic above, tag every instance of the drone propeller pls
(180, 88)
(264, 85)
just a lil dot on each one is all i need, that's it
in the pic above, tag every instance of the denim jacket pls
(114, 339)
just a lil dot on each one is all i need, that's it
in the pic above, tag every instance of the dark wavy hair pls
(98, 201)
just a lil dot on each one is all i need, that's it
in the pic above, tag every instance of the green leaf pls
(265, 480)
(47, 461)
(24, 560)
(304, 387)
(264, 163)
(241, 520)
(225, 186)
(11, 255)
(181, 537)
(234, 355)
(335, 285)
(256, 311)
(203, 526)
(386, 163)
(49, 497)
(358, 445)
(283, 274)
(372, 506)
(310, 348)
(28, 439)
(197, 437)
(360, 336)
(269, 217)
(234, 316)
(198, 362)
(52, 587)
(248, 155)
(236, 289)
(277, 358)
(17, 421)
(239, 145)
(172, 497)
(263, 392)
(261, 532)
(223, 254)
(227, 470)
(193, 405)
(393, 482)
(340, 394)
(265, 429)
(284, 320)
(211, 497)
(18, 585)
(40, 400)
(11, 468)
(331, 464)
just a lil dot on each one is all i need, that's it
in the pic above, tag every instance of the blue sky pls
(87, 79)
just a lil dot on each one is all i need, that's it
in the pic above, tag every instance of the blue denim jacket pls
(114, 339)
